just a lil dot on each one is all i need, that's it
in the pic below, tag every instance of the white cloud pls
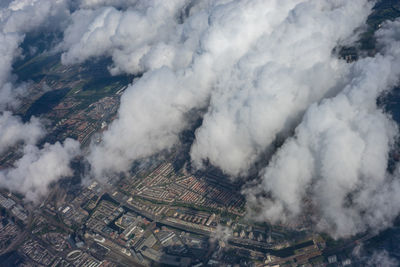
(33, 173)
(259, 68)
(138, 39)
(153, 110)
(18, 18)
(12, 131)
(114, 3)
(23, 16)
(269, 88)
(381, 258)
(338, 157)
(38, 167)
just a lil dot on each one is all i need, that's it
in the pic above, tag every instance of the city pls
(215, 174)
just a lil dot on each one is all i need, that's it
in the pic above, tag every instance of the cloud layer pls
(261, 70)
(14, 131)
(244, 59)
(271, 85)
(37, 168)
(338, 158)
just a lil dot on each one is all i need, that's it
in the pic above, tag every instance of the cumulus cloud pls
(269, 88)
(37, 167)
(240, 56)
(23, 16)
(381, 258)
(260, 69)
(33, 172)
(153, 110)
(138, 39)
(17, 18)
(338, 157)
(14, 131)
(114, 3)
